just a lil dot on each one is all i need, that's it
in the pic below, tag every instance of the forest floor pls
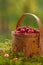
(7, 57)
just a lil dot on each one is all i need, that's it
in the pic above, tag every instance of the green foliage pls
(6, 47)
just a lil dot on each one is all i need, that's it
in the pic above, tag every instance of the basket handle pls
(37, 20)
(39, 25)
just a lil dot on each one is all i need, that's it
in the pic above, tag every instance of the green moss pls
(6, 47)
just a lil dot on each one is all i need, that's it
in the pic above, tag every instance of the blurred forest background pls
(11, 10)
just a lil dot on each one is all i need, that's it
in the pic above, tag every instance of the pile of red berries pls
(25, 29)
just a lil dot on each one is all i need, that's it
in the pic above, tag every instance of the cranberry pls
(18, 29)
(18, 32)
(30, 28)
(22, 30)
(34, 30)
(15, 59)
(24, 27)
(27, 29)
(30, 31)
(6, 55)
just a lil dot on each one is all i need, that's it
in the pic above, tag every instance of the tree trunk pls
(4, 26)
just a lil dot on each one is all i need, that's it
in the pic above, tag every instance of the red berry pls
(24, 27)
(18, 32)
(30, 28)
(30, 31)
(18, 29)
(34, 30)
(6, 55)
(27, 29)
(15, 59)
(22, 30)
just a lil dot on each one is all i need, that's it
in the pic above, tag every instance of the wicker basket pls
(28, 43)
